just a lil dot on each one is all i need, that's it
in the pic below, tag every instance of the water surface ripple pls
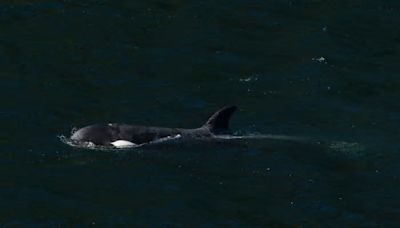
(325, 71)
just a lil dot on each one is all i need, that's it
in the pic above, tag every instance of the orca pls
(125, 135)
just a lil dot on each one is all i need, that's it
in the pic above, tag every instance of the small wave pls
(320, 59)
(249, 79)
(353, 150)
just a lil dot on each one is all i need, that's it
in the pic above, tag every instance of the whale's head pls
(98, 134)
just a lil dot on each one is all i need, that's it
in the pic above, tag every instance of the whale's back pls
(107, 134)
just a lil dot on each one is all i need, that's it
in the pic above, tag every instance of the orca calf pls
(124, 135)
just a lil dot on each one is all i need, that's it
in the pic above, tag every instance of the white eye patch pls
(123, 144)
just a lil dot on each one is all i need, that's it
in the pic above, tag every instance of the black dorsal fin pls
(219, 122)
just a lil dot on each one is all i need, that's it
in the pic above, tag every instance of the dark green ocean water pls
(324, 70)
